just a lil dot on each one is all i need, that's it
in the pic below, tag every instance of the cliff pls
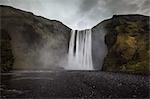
(30, 41)
(127, 40)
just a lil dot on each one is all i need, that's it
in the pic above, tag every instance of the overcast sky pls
(81, 14)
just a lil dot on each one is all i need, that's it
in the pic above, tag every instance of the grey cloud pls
(87, 5)
(121, 6)
(79, 14)
(146, 5)
(110, 6)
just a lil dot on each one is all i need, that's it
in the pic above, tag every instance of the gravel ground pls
(73, 84)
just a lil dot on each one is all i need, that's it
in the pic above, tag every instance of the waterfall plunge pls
(80, 54)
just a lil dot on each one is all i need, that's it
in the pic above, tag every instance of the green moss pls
(139, 66)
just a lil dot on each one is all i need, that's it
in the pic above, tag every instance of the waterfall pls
(80, 51)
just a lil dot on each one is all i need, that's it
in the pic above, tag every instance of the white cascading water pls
(80, 51)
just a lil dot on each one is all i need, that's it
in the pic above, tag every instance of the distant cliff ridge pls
(34, 42)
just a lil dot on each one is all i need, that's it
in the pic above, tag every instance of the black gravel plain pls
(73, 84)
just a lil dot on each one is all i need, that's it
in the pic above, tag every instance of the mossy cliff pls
(127, 40)
(31, 42)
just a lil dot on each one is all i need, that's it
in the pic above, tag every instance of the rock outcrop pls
(31, 42)
(127, 40)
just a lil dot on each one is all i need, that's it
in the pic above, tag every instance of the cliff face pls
(99, 48)
(31, 41)
(127, 40)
